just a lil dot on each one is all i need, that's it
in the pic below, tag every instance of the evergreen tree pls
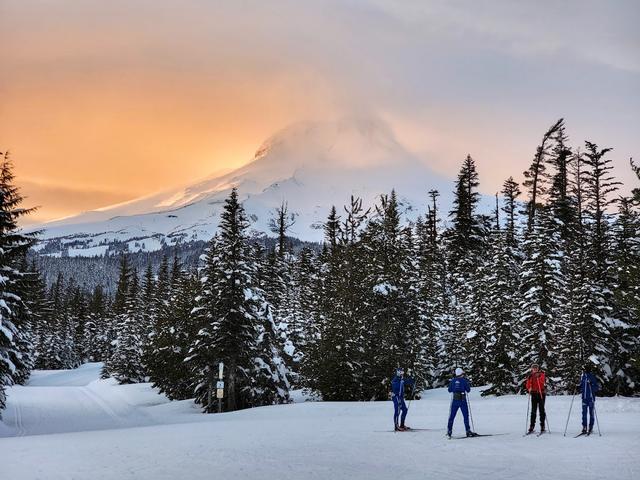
(465, 244)
(636, 191)
(335, 364)
(24, 357)
(431, 285)
(125, 363)
(537, 177)
(502, 287)
(394, 319)
(77, 308)
(15, 335)
(118, 312)
(175, 332)
(234, 319)
(543, 294)
(601, 332)
(96, 338)
(37, 301)
(510, 192)
(625, 355)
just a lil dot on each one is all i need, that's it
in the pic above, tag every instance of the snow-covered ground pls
(69, 425)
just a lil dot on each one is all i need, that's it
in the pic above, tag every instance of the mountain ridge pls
(310, 165)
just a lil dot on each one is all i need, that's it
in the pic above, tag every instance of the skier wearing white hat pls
(459, 386)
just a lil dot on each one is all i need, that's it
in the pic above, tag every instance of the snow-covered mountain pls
(311, 166)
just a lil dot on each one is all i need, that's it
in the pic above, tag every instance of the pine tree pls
(117, 314)
(37, 301)
(96, 338)
(625, 355)
(431, 285)
(465, 227)
(394, 319)
(465, 243)
(233, 319)
(77, 307)
(510, 192)
(543, 295)
(601, 331)
(537, 177)
(303, 317)
(338, 362)
(176, 330)
(125, 363)
(501, 285)
(24, 319)
(15, 356)
(636, 191)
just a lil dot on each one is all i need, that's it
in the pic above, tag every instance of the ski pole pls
(526, 420)
(569, 416)
(543, 398)
(545, 413)
(413, 391)
(450, 411)
(595, 412)
(473, 427)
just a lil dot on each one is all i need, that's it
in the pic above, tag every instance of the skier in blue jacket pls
(588, 388)
(459, 386)
(397, 387)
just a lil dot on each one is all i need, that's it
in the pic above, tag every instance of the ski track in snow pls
(70, 425)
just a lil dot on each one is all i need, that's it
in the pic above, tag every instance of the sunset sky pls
(104, 101)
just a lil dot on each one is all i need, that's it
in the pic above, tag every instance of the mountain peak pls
(349, 142)
(310, 165)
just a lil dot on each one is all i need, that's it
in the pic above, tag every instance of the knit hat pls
(399, 371)
(459, 371)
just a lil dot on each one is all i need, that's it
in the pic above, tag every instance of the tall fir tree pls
(234, 319)
(125, 363)
(117, 312)
(15, 323)
(96, 338)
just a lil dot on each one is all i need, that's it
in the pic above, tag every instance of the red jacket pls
(535, 382)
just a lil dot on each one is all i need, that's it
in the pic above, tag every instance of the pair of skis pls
(583, 434)
(476, 435)
(537, 434)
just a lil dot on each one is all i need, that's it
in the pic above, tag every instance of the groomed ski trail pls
(77, 426)
(66, 401)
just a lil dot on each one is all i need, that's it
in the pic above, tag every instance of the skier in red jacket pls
(536, 387)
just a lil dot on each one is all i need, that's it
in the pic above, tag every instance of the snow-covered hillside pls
(68, 424)
(312, 166)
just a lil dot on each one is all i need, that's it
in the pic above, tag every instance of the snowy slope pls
(312, 166)
(142, 436)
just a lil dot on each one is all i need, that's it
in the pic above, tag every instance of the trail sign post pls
(220, 387)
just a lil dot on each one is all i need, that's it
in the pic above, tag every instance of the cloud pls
(62, 201)
(140, 96)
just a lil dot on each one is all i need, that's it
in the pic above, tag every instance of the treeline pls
(552, 277)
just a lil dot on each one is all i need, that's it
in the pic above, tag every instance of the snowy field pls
(69, 425)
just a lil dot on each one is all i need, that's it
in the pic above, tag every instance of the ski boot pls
(590, 430)
(471, 434)
(449, 434)
(405, 428)
(584, 430)
(399, 428)
(530, 430)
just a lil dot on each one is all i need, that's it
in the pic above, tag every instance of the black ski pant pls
(537, 403)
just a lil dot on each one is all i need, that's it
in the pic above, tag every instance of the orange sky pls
(106, 101)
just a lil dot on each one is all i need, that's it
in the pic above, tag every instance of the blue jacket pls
(459, 385)
(398, 383)
(589, 386)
